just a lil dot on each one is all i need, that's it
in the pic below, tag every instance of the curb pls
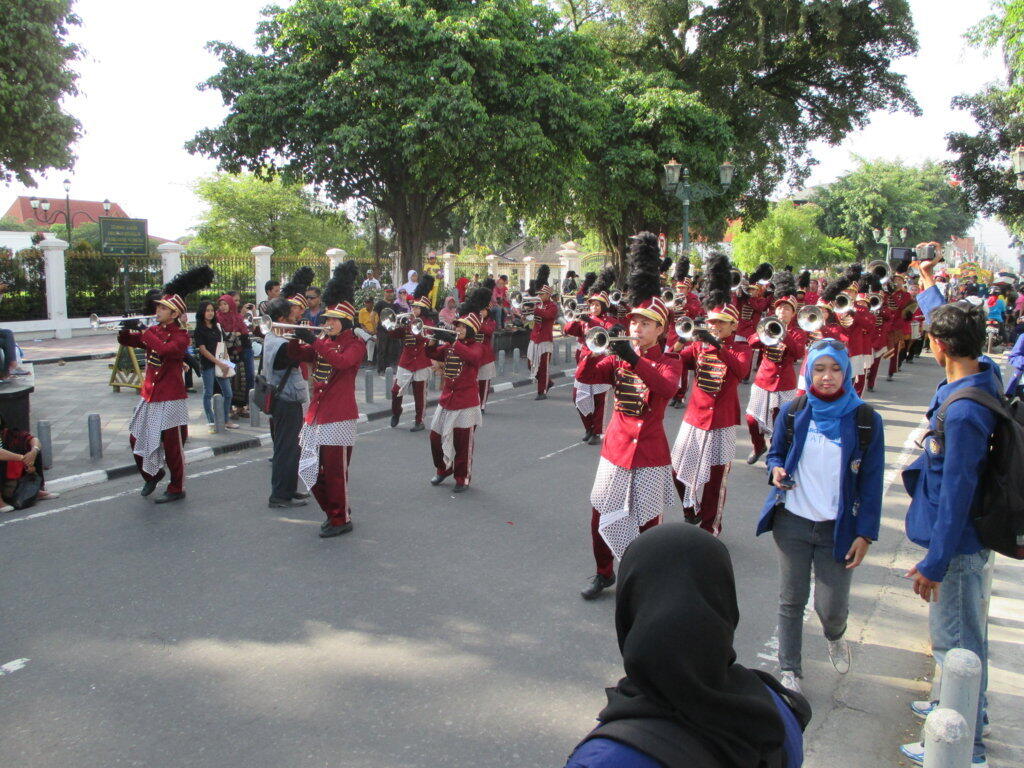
(194, 455)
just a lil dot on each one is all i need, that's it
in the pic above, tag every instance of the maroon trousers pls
(485, 390)
(873, 373)
(331, 487)
(757, 437)
(894, 361)
(462, 467)
(858, 384)
(543, 381)
(594, 423)
(602, 555)
(419, 392)
(173, 439)
(712, 500)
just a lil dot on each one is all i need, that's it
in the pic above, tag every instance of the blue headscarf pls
(828, 415)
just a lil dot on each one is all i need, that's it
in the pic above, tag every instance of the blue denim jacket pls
(860, 511)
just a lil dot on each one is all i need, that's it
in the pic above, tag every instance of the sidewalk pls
(66, 394)
(70, 350)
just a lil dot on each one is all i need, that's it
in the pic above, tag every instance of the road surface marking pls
(12, 666)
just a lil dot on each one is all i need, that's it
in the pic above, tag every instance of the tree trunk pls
(377, 244)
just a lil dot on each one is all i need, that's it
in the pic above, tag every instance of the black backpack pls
(998, 513)
(865, 423)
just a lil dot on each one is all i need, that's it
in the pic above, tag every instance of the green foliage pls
(24, 274)
(884, 193)
(244, 211)
(35, 75)
(409, 105)
(789, 234)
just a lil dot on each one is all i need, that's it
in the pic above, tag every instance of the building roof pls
(81, 211)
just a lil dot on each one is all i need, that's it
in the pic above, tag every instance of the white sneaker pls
(789, 680)
(839, 654)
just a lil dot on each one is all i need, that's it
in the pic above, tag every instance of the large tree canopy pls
(789, 235)
(412, 106)
(884, 193)
(35, 74)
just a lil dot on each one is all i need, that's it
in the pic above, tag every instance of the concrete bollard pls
(254, 411)
(948, 741)
(46, 443)
(501, 363)
(515, 361)
(95, 437)
(389, 381)
(368, 379)
(961, 683)
(218, 413)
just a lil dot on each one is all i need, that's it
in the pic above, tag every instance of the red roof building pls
(81, 211)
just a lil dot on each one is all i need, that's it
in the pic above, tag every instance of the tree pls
(789, 235)
(412, 106)
(35, 74)
(243, 211)
(884, 193)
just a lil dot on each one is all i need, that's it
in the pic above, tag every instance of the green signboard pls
(123, 237)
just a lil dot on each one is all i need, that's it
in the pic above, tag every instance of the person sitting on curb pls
(19, 458)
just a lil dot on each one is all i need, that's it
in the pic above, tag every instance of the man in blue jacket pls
(943, 485)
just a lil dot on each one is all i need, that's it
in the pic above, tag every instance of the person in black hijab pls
(685, 702)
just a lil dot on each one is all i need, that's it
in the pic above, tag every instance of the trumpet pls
(599, 340)
(881, 270)
(418, 328)
(771, 332)
(389, 319)
(572, 315)
(668, 296)
(267, 326)
(114, 323)
(615, 298)
(874, 302)
(685, 327)
(842, 304)
(810, 318)
(736, 279)
(767, 280)
(519, 301)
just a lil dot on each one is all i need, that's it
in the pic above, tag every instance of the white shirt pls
(372, 283)
(818, 478)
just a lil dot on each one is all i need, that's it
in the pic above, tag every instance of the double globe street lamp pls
(678, 185)
(41, 209)
(885, 236)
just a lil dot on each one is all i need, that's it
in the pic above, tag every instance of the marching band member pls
(576, 327)
(916, 343)
(545, 312)
(880, 338)
(589, 388)
(706, 443)
(413, 364)
(897, 303)
(458, 409)
(751, 303)
(633, 485)
(486, 338)
(686, 304)
(861, 332)
(159, 426)
(807, 289)
(776, 379)
(328, 437)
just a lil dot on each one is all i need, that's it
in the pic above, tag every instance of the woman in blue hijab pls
(826, 464)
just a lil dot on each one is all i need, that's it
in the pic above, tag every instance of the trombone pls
(98, 323)
(810, 318)
(267, 326)
(599, 340)
(390, 320)
(771, 332)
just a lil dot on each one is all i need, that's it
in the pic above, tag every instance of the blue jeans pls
(209, 377)
(247, 360)
(958, 620)
(7, 345)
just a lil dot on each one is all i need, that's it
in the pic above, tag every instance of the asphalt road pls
(444, 631)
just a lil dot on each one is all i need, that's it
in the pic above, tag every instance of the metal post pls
(368, 379)
(685, 187)
(46, 443)
(961, 683)
(218, 413)
(389, 380)
(95, 437)
(948, 741)
(515, 361)
(254, 411)
(501, 362)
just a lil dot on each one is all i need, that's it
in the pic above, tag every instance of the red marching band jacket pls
(460, 364)
(883, 326)
(579, 328)
(777, 371)
(165, 347)
(750, 308)
(715, 401)
(335, 363)
(897, 301)
(412, 358)
(544, 315)
(857, 330)
(636, 433)
(693, 309)
(486, 339)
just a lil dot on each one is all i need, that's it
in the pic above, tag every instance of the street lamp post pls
(693, 192)
(886, 236)
(1017, 158)
(41, 209)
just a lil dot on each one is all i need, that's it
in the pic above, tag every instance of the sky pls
(139, 103)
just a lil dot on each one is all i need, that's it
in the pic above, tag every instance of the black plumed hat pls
(785, 285)
(834, 288)
(804, 281)
(719, 281)
(761, 273)
(423, 287)
(190, 281)
(588, 280)
(300, 280)
(644, 280)
(605, 281)
(682, 269)
(477, 300)
(342, 285)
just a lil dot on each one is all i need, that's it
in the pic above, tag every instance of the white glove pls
(363, 334)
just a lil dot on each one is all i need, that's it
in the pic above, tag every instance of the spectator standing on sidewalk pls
(371, 283)
(236, 337)
(211, 346)
(827, 506)
(313, 307)
(943, 485)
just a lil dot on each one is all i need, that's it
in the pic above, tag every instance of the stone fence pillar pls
(56, 285)
(336, 256)
(170, 259)
(261, 255)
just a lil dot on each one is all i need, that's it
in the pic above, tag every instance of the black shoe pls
(418, 427)
(541, 396)
(394, 420)
(677, 402)
(167, 496)
(298, 495)
(438, 479)
(754, 456)
(587, 436)
(691, 519)
(871, 389)
(327, 531)
(459, 488)
(149, 486)
(594, 440)
(889, 377)
(286, 502)
(597, 585)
